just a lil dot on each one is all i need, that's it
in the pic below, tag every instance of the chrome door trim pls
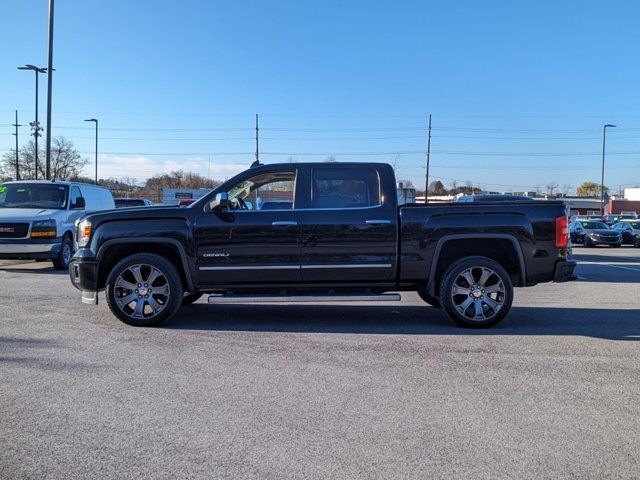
(378, 222)
(284, 223)
(294, 267)
(252, 267)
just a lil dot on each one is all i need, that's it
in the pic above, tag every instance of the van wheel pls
(144, 290)
(61, 262)
(476, 292)
(424, 295)
(189, 298)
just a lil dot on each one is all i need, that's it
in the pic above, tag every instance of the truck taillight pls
(562, 232)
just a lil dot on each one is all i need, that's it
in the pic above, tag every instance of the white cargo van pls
(37, 218)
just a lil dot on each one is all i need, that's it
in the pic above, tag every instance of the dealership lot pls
(324, 391)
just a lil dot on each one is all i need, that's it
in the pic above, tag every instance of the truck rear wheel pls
(476, 292)
(144, 290)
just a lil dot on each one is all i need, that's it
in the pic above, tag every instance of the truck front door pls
(257, 237)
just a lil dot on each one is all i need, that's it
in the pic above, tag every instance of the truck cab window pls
(345, 188)
(266, 191)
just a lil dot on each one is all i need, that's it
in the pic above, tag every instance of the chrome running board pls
(384, 297)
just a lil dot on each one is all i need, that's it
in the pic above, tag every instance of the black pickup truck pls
(313, 232)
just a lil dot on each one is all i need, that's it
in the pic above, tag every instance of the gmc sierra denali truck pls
(312, 232)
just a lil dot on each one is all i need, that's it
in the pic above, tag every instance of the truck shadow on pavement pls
(34, 270)
(405, 320)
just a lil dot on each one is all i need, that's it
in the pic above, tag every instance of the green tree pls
(590, 189)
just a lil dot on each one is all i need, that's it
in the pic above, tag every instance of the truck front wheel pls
(144, 290)
(476, 292)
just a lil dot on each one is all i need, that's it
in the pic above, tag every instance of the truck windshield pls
(33, 195)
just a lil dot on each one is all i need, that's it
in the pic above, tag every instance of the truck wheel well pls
(501, 250)
(117, 252)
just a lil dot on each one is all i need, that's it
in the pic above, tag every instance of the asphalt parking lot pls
(317, 391)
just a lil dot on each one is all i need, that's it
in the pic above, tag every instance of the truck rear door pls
(348, 226)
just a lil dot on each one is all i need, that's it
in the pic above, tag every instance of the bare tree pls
(437, 188)
(66, 161)
(395, 163)
(551, 187)
(331, 159)
(566, 188)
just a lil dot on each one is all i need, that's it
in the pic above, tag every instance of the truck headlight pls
(44, 228)
(84, 233)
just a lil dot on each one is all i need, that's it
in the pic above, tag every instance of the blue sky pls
(519, 91)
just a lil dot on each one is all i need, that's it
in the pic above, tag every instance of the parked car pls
(184, 202)
(492, 198)
(342, 238)
(590, 233)
(630, 230)
(583, 218)
(132, 202)
(37, 218)
(613, 219)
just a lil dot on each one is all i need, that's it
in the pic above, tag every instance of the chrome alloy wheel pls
(478, 293)
(141, 291)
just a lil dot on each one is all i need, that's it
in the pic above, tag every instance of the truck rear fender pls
(502, 248)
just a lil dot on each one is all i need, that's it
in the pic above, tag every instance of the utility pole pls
(49, 91)
(96, 122)
(604, 139)
(17, 157)
(426, 180)
(257, 140)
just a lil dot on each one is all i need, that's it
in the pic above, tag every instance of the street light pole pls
(49, 90)
(604, 140)
(94, 120)
(35, 125)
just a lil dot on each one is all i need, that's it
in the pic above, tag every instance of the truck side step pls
(384, 297)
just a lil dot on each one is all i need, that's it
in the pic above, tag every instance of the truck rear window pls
(345, 188)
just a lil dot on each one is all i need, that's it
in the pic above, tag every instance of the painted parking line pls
(612, 266)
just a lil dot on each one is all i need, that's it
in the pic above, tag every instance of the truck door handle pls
(377, 222)
(284, 223)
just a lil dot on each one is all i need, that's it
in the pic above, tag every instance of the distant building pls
(171, 196)
(632, 194)
(406, 194)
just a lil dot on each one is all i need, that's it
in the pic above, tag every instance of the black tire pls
(427, 298)
(167, 285)
(61, 262)
(499, 280)
(636, 242)
(587, 243)
(616, 246)
(189, 298)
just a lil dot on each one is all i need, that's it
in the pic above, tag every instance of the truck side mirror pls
(79, 204)
(220, 202)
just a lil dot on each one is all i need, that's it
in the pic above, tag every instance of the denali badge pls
(208, 255)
